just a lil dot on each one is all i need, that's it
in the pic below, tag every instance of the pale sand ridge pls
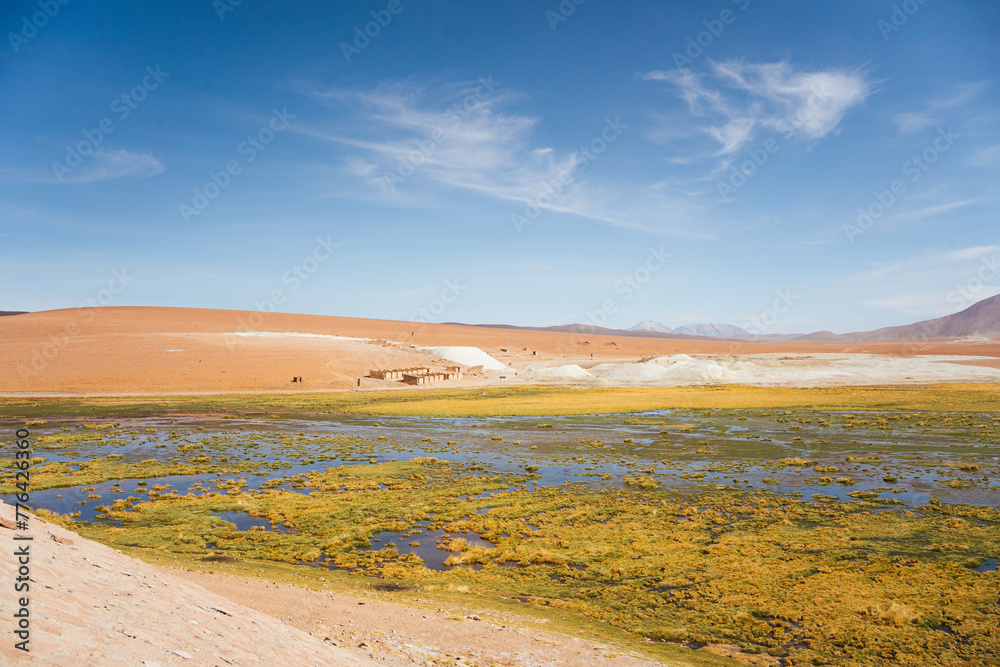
(91, 605)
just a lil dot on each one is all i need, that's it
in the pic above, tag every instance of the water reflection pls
(424, 544)
(244, 521)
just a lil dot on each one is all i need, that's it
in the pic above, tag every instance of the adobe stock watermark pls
(22, 539)
(971, 291)
(562, 12)
(963, 296)
(899, 17)
(756, 158)
(628, 286)
(698, 43)
(291, 280)
(426, 148)
(762, 323)
(436, 307)
(46, 353)
(553, 188)
(381, 19)
(915, 167)
(122, 107)
(31, 24)
(223, 7)
(248, 150)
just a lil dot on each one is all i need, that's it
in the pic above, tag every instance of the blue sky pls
(789, 166)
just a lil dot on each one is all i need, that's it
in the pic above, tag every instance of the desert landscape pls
(172, 350)
(499, 334)
(532, 505)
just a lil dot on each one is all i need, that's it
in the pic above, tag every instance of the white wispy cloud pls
(932, 283)
(431, 131)
(920, 304)
(988, 157)
(737, 100)
(101, 165)
(930, 211)
(931, 115)
(106, 165)
(970, 253)
(409, 141)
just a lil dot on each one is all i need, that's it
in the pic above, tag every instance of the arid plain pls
(176, 350)
(572, 498)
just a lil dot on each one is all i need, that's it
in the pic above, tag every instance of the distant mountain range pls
(650, 325)
(982, 319)
(707, 330)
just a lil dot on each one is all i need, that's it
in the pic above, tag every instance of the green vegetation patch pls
(820, 583)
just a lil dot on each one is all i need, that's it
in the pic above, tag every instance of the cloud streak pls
(456, 134)
(738, 100)
(914, 121)
(930, 284)
(411, 141)
(934, 210)
(106, 165)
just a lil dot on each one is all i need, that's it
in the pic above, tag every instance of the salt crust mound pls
(684, 368)
(569, 372)
(292, 334)
(467, 356)
(773, 369)
(639, 372)
(92, 605)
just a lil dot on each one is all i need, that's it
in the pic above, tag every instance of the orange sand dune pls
(146, 350)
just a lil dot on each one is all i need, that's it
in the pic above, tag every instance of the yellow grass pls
(530, 401)
(566, 401)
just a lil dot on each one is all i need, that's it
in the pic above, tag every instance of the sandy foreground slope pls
(93, 606)
(138, 350)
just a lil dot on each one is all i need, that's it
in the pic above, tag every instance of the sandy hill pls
(148, 350)
(145, 350)
(980, 319)
(91, 605)
(589, 329)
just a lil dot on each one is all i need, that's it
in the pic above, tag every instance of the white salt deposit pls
(467, 356)
(773, 369)
(293, 334)
(824, 369)
(567, 373)
(631, 373)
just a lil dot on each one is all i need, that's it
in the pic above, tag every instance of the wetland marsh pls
(810, 535)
